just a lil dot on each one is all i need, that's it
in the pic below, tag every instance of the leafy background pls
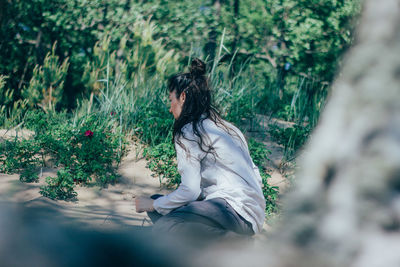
(78, 65)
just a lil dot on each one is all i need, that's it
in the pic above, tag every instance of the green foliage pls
(86, 149)
(145, 110)
(259, 154)
(153, 121)
(86, 146)
(5, 97)
(184, 24)
(29, 175)
(154, 35)
(309, 34)
(292, 138)
(60, 187)
(236, 98)
(130, 61)
(46, 86)
(19, 155)
(10, 111)
(308, 101)
(274, 57)
(162, 161)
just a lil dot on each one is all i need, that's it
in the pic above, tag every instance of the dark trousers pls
(202, 219)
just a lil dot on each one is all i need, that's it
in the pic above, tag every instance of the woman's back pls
(228, 171)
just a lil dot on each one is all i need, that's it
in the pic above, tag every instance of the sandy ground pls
(103, 207)
(112, 206)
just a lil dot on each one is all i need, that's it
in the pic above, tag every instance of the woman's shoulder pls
(222, 125)
(188, 133)
(203, 128)
(202, 123)
(187, 129)
(208, 125)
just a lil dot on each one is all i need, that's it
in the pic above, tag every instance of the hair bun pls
(198, 67)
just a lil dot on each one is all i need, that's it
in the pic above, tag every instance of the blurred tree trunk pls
(345, 208)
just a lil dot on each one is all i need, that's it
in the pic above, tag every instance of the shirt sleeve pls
(188, 159)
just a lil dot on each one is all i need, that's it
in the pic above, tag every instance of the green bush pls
(29, 175)
(60, 187)
(259, 154)
(162, 161)
(87, 149)
(18, 155)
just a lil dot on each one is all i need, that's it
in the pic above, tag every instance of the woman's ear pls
(182, 97)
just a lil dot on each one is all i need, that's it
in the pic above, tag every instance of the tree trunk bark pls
(345, 207)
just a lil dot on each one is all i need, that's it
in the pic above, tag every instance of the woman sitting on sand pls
(220, 189)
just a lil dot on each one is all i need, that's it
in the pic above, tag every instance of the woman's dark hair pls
(198, 103)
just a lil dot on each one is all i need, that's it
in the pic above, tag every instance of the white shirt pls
(231, 175)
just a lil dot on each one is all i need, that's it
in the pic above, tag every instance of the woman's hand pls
(144, 204)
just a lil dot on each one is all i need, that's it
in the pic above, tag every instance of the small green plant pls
(259, 155)
(270, 193)
(60, 187)
(162, 161)
(19, 155)
(29, 175)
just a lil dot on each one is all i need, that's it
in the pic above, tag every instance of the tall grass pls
(308, 100)
(137, 105)
(301, 106)
(141, 109)
(11, 112)
(235, 96)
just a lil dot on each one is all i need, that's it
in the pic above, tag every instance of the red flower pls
(89, 133)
